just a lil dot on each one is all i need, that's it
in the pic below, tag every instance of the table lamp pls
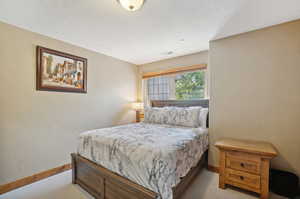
(138, 107)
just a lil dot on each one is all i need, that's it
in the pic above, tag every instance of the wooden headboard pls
(182, 103)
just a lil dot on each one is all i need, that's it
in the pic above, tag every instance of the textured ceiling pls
(181, 26)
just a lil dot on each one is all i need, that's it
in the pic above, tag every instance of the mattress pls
(152, 155)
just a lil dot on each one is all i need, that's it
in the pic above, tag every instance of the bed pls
(141, 160)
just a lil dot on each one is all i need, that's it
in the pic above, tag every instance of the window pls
(190, 85)
(179, 86)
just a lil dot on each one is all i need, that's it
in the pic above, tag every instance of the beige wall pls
(255, 90)
(187, 60)
(38, 129)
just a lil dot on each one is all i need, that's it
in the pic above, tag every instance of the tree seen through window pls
(190, 85)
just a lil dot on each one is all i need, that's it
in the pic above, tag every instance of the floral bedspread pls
(152, 155)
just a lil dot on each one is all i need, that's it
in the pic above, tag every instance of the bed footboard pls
(104, 184)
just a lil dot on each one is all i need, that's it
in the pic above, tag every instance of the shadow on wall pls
(283, 164)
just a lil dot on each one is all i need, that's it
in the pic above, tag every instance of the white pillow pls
(155, 115)
(183, 116)
(203, 117)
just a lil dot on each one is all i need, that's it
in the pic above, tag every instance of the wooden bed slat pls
(90, 175)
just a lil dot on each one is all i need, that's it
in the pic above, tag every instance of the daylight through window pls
(181, 86)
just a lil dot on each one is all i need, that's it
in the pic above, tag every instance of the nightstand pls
(138, 107)
(140, 117)
(245, 164)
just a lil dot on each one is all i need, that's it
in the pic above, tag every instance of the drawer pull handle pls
(242, 177)
(242, 165)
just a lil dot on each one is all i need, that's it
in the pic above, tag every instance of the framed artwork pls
(58, 71)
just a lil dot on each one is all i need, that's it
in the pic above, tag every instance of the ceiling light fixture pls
(131, 5)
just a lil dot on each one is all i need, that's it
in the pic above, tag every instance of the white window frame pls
(173, 72)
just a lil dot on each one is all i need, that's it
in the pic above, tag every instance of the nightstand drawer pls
(243, 179)
(243, 162)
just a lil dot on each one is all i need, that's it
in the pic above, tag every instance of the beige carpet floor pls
(205, 186)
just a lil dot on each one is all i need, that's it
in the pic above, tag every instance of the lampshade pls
(138, 106)
(131, 5)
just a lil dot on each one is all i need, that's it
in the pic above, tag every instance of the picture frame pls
(59, 71)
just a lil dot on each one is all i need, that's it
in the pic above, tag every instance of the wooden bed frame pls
(105, 184)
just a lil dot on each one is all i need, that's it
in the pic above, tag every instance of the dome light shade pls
(131, 5)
